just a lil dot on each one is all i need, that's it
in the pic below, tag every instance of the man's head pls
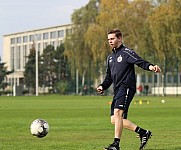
(114, 38)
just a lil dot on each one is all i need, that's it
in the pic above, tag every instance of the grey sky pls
(23, 15)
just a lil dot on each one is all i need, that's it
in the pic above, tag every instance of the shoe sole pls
(149, 137)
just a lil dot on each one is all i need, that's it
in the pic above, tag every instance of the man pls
(120, 71)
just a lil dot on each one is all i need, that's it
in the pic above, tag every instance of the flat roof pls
(37, 29)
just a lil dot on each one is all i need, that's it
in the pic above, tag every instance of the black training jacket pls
(120, 68)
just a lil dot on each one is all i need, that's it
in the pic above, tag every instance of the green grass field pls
(83, 123)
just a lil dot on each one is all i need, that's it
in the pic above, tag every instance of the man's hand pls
(100, 90)
(155, 68)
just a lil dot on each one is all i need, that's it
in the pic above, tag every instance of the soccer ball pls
(39, 128)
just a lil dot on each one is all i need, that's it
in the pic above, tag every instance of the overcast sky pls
(23, 15)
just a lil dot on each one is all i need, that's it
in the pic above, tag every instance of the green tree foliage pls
(130, 17)
(49, 63)
(61, 63)
(53, 70)
(30, 71)
(77, 51)
(165, 29)
(62, 69)
(3, 73)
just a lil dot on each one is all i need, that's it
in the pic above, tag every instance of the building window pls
(38, 36)
(19, 40)
(61, 33)
(31, 38)
(52, 35)
(12, 57)
(143, 78)
(25, 53)
(150, 78)
(45, 35)
(25, 39)
(18, 64)
(45, 45)
(169, 78)
(175, 78)
(155, 78)
(12, 40)
(39, 47)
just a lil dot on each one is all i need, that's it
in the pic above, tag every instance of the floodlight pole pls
(36, 63)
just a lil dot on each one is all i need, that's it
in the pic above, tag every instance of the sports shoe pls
(112, 146)
(144, 139)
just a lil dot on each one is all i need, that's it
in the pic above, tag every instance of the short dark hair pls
(117, 32)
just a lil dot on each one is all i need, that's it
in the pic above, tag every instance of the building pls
(16, 47)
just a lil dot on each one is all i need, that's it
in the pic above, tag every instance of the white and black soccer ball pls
(39, 128)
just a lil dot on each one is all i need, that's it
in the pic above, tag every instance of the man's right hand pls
(100, 90)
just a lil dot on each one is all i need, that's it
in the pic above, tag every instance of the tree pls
(3, 73)
(77, 51)
(49, 63)
(29, 74)
(130, 17)
(165, 30)
(63, 74)
(62, 64)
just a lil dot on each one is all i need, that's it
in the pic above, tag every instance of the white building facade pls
(16, 48)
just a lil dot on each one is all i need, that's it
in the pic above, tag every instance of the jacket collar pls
(117, 49)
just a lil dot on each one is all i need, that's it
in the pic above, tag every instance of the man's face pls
(114, 42)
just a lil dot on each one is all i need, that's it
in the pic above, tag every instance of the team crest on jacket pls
(110, 59)
(119, 59)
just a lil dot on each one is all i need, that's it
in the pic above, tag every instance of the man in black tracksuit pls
(121, 73)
